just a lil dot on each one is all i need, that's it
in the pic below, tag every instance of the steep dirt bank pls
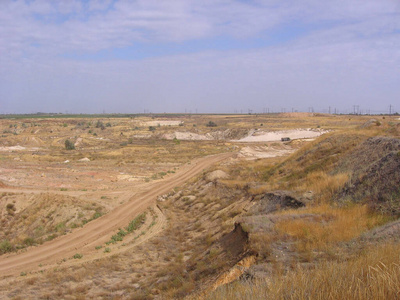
(375, 176)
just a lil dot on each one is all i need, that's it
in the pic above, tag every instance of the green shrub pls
(69, 145)
(100, 125)
(136, 223)
(77, 256)
(6, 246)
(10, 206)
(29, 241)
(96, 215)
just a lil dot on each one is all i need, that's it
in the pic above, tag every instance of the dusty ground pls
(117, 171)
(84, 240)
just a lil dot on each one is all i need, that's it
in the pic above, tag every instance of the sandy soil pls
(162, 123)
(16, 148)
(187, 136)
(265, 136)
(83, 240)
(253, 135)
(255, 152)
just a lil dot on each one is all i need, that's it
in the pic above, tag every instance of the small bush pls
(136, 223)
(29, 241)
(100, 125)
(77, 256)
(6, 246)
(10, 206)
(96, 215)
(69, 145)
(211, 124)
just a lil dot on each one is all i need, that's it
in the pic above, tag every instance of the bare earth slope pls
(84, 240)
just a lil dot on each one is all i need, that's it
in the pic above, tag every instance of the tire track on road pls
(98, 231)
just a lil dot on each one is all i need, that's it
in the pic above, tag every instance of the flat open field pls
(104, 207)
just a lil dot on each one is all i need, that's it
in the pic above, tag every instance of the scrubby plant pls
(6, 246)
(69, 145)
(100, 125)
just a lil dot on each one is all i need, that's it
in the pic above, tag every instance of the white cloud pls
(348, 54)
(99, 5)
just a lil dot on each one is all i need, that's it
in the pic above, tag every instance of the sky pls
(208, 56)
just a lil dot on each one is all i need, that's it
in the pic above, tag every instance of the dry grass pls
(375, 274)
(261, 243)
(187, 254)
(328, 225)
(323, 185)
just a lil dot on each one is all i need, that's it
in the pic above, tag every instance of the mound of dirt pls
(217, 174)
(388, 231)
(85, 159)
(367, 153)
(369, 123)
(236, 241)
(375, 166)
(228, 134)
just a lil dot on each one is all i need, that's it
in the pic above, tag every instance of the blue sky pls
(214, 56)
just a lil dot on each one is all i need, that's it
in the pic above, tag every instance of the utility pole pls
(390, 109)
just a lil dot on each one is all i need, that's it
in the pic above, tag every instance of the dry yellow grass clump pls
(329, 225)
(374, 274)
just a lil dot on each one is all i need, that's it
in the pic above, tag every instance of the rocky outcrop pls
(275, 201)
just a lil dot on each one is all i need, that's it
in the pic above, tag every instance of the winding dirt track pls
(83, 240)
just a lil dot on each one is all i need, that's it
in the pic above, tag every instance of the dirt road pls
(83, 240)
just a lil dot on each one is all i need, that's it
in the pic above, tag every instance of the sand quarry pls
(254, 135)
